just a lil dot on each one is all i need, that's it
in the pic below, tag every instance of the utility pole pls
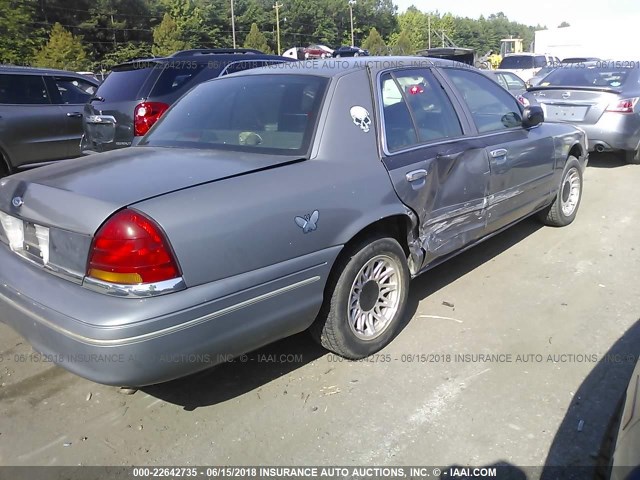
(351, 4)
(233, 25)
(429, 20)
(278, 6)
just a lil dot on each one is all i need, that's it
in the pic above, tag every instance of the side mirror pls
(532, 116)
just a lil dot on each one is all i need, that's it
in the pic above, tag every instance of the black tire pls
(332, 327)
(554, 215)
(4, 169)
(632, 157)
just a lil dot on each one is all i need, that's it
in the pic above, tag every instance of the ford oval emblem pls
(17, 202)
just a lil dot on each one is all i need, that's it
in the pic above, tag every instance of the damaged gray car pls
(270, 202)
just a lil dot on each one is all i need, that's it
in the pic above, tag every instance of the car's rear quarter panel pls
(242, 224)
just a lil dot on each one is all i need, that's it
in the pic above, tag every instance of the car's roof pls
(525, 54)
(502, 70)
(336, 67)
(207, 55)
(37, 71)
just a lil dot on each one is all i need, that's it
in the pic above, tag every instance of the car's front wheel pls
(564, 208)
(365, 299)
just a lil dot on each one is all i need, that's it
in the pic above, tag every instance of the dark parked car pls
(270, 202)
(599, 97)
(40, 115)
(137, 93)
(345, 51)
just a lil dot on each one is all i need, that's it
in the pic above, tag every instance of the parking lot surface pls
(517, 352)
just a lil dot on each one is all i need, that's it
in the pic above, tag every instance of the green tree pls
(124, 53)
(416, 25)
(401, 44)
(18, 42)
(375, 43)
(255, 39)
(63, 50)
(167, 38)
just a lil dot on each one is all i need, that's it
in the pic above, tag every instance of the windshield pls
(587, 77)
(253, 113)
(517, 61)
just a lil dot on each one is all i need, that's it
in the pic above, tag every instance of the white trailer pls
(602, 41)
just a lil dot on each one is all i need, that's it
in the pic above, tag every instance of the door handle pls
(74, 114)
(416, 175)
(501, 152)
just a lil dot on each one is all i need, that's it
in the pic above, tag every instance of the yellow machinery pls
(507, 47)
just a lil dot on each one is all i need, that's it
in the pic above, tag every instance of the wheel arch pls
(402, 227)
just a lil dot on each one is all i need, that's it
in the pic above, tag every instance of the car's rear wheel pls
(632, 156)
(365, 299)
(565, 206)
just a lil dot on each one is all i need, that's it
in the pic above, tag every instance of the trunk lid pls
(574, 104)
(79, 194)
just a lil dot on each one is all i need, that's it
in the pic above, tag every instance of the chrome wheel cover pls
(570, 192)
(375, 297)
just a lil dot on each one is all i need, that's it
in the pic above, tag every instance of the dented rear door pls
(443, 177)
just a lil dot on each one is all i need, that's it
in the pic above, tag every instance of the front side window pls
(255, 113)
(23, 90)
(492, 108)
(415, 99)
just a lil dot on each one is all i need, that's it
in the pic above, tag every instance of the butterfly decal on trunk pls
(308, 223)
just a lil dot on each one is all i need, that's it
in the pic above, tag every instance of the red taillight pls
(130, 249)
(623, 106)
(145, 115)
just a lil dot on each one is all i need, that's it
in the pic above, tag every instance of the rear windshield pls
(523, 61)
(593, 76)
(255, 113)
(124, 83)
(175, 78)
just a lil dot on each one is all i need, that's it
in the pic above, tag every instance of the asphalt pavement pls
(516, 352)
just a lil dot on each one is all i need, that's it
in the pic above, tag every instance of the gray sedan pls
(270, 202)
(599, 97)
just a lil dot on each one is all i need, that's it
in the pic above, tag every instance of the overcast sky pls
(532, 12)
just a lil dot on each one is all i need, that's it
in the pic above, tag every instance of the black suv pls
(137, 93)
(40, 115)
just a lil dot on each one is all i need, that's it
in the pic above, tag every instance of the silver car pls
(599, 97)
(270, 202)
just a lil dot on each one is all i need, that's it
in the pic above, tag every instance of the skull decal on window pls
(361, 118)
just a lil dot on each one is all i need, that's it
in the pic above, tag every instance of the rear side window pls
(23, 90)
(513, 82)
(273, 114)
(74, 91)
(492, 107)
(125, 83)
(517, 62)
(176, 78)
